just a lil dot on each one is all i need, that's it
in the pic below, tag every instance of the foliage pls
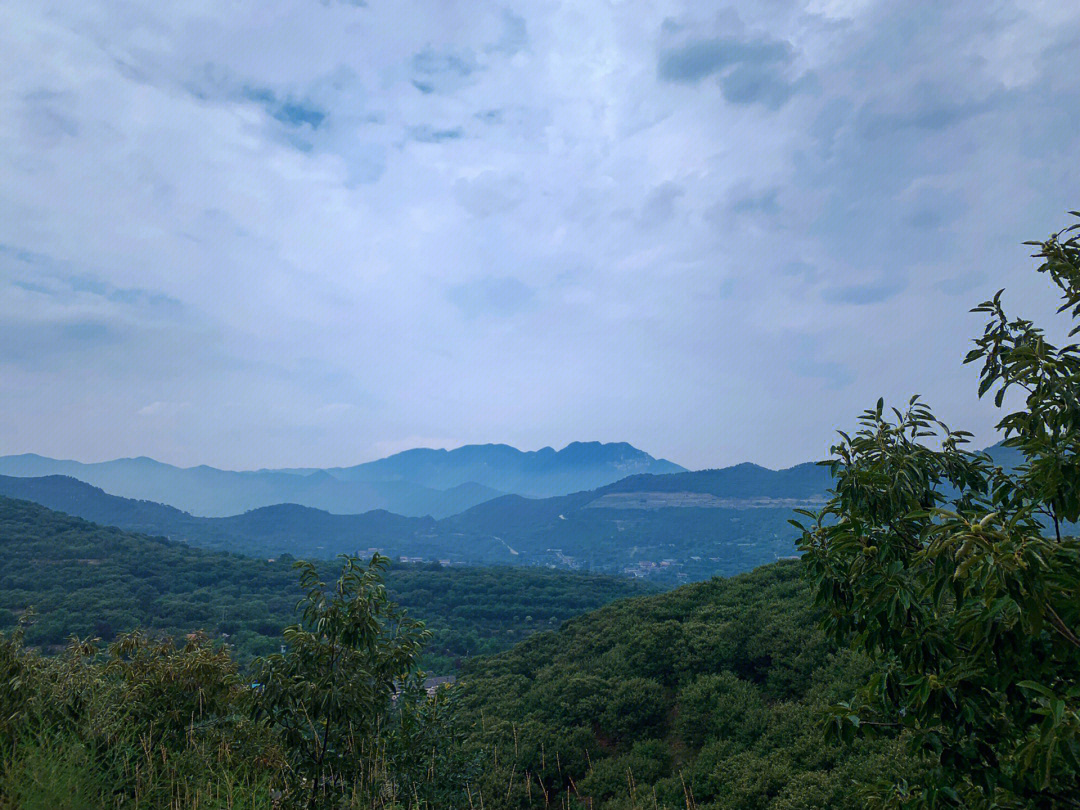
(954, 575)
(704, 697)
(144, 723)
(338, 721)
(330, 692)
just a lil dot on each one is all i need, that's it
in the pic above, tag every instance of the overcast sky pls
(311, 233)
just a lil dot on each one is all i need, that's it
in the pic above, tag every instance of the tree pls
(331, 693)
(956, 575)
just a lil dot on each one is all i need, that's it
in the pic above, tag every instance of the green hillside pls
(708, 696)
(89, 580)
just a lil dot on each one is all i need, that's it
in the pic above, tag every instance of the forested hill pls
(90, 580)
(266, 532)
(803, 481)
(66, 494)
(713, 691)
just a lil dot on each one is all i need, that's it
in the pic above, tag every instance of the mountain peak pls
(534, 473)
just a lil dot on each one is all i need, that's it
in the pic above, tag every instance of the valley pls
(86, 580)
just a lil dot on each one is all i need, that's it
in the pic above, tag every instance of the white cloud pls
(327, 225)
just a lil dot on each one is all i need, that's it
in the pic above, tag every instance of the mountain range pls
(687, 525)
(671, 527)
(414, 483)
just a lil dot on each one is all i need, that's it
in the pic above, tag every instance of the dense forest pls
(709, 696)
(87, 580)
(715, 685)
(706, 697)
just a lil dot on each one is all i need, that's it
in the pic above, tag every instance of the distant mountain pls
(414, 483)
(264, 532)
(746, 480)
(63, 493)
(538, 474)
(209, 491)
(674, 527)
(677, 527)
(1008, 457)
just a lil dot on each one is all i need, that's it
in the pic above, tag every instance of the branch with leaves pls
(957, 577)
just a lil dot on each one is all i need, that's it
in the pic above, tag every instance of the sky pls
(313, 233)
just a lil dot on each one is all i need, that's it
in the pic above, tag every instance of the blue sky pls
(312, 233)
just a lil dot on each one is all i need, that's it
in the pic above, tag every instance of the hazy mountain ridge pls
(538, 473)
(414, 483)
(570, 531)
(210, 492)
(745, 480)
(674, 527)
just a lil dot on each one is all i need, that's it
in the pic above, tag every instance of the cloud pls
(442, 71)
(961, 284)
(163, 409)
(805, 271)
(47, 117)
(490, 192)
(762, 202)
(492, 296)
(694, 60)
(931, 209)
(37, 345)
(749, 70)
(288, 111)
(44, 275)
(425, 133)
(809, 358)
(510, 221)
(515, 35)
(659, 206)
(874, 292)
(515, 121)
(926, 106)
(836, 375)
(764, 84)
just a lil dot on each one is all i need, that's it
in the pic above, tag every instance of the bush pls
(957, 576)
(635, 709)
(339, 720)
